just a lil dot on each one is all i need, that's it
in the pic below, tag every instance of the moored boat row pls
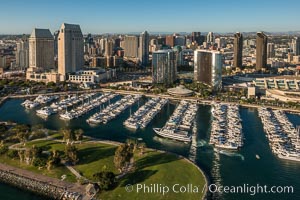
(226, 127)
(179, 124)
(113, 110)
(283, 137)
(71, 100)
(86, 107)
(40, 100)
(142, 117)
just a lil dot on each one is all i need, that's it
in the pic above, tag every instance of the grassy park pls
(152, 167)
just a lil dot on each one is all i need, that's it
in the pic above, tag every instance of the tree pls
(3, 148)
(132, 143)
(105, 179)
(123, 156)
(68, 135)
(79, 134)
(53, 160)
(71, 154)
(142, 147)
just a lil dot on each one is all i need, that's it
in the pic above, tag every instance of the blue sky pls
(100, 16)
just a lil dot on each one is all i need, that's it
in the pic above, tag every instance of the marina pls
(40, 100)
(282, 135)
(143, 116)
(71, 100)
(179, 124)
(86, 107)
(230, 170)
(226, 127)
(113, 110)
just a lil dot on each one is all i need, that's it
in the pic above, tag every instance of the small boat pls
(257, 156)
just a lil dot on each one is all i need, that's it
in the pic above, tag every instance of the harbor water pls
(225, 168)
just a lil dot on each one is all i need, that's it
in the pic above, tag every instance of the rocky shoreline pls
(48, 187)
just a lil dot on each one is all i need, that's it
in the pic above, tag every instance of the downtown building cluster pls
(67, 55)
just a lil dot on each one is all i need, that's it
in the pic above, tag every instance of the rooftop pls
(41, 33)
(180, 91)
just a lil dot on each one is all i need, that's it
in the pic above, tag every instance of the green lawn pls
(159, 168)
(151, 168)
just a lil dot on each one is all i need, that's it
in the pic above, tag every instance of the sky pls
(116, 16)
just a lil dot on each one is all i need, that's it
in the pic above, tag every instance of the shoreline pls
(125, 92)
(75, 188)
(115, 143)
(40, 184)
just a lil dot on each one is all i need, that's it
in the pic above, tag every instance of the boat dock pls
(113, 110)
(39, 100)
(282, 135)
(179, 124)
(143, 116)
(226, 128)
(88, 106)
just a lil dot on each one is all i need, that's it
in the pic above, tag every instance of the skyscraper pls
(41, 50)
(55, 34)
(102, 42)
(208, 68)
(261, 50)
(221, 42)
(70, 49)
(197, 37)
(22, 53)
(180, 40)
(131, 46)
(296, 46)
(109, 45)
(170, 40)
(164, 66)
(144, 48)
(238, 50)
(270, 50)
(210, 37)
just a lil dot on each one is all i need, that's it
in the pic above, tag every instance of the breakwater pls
(49, 188)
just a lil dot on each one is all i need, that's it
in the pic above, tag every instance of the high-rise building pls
(102, 42)
(131, 46)
(261, 50)
(221, 42)
(144, 48)
(170, 40)
(70, 49)
(22, 53)
(179, 40)
(161, 40)
(55, 34)
(208, 68)
(198, 38)
(210, 37)
(238, 50)
(117, 42)
(41, 50)
(296, 46)
(270, 50)
(164, 66)
(109, 46)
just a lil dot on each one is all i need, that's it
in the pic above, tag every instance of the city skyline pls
(154, 16)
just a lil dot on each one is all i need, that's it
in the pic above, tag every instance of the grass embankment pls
(151, 168)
